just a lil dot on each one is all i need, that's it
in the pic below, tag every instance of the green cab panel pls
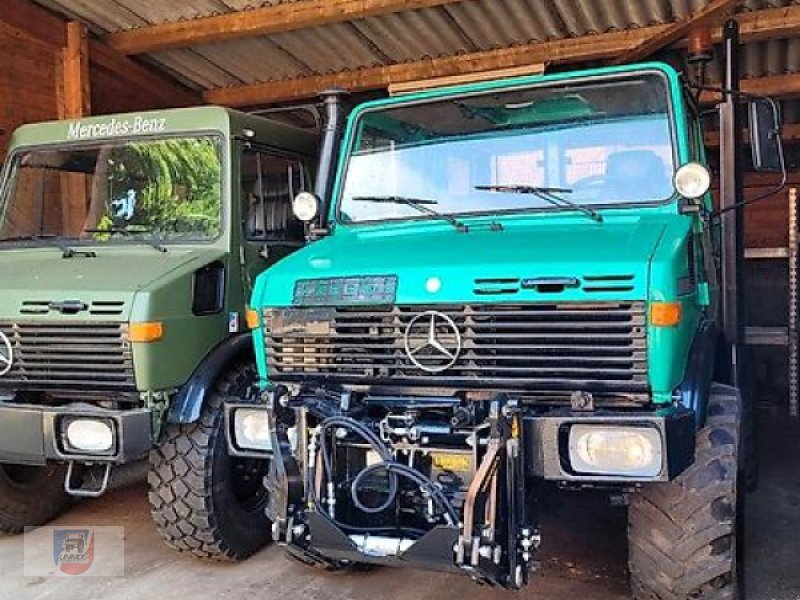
(75, 301)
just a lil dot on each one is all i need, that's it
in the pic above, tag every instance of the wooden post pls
(76, 98)
(75, 101)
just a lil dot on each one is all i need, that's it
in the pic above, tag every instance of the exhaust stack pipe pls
(731, 193)
(329, 148)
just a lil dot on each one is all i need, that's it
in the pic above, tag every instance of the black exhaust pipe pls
(731, 194)
(332, 129)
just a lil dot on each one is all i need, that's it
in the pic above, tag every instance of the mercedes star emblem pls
(6, 354)
(432, 341)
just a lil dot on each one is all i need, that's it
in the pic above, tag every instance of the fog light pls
(615, 450)
(251, 429)
(94, 436)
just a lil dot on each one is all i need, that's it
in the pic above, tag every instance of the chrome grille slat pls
(538, 348)
(69, 355)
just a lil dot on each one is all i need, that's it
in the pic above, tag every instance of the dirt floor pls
(583, 555)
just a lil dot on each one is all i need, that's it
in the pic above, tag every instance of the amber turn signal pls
(665, 314)
(252, 318)
(146, 332)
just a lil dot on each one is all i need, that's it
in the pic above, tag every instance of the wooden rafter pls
(707, 15)
(790, 134)
(768, 24)
(167, 91)
(586, 48)
(755, 26)
(260, 21)
(776, 86)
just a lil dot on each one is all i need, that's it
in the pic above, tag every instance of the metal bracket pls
(582, 401)
(83, 492)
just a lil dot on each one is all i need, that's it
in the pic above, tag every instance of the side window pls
(269, 183)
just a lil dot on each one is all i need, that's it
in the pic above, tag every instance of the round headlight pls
(305, 206)
(692, 180)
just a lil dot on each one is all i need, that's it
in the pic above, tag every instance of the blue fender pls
(700, 367)
(188, 403)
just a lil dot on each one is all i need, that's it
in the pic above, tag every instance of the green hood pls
(106, 284)
(602, 261)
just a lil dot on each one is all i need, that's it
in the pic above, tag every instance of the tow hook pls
(94, 483)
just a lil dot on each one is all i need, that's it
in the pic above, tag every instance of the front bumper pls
(33, 435)
(545, 440)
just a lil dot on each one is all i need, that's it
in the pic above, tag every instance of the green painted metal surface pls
(646, 242)
(152, 285)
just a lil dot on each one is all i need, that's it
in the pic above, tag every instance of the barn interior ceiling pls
(259, 52)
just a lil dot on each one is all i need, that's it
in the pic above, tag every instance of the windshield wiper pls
(548, 194)
(34, 237)
(112, 230)
(38, 237)
(419, 204)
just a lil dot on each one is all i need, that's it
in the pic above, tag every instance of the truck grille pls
(533, 348)
(81, 356)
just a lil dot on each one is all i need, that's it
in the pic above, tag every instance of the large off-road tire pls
(682, 534)
(31, 496)
(202, 500)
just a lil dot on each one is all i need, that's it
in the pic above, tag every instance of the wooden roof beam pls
(768, 24)
(790, 134)
(775, 86)
(260, 21)
(585, 48)
(755, 26)
(707, 15)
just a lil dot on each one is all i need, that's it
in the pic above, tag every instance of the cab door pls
(269, 180)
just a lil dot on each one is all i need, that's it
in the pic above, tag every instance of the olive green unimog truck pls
(128, 248)
(519, 285)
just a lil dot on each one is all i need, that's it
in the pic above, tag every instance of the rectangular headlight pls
(251, 429)
(626, 451)
(88, 435)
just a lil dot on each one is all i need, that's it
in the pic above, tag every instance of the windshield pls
(115, 192)
(589, 144)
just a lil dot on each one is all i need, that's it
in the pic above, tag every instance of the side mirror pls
(765, 135)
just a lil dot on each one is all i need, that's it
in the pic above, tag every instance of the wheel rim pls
(247, 482)
(247, 474)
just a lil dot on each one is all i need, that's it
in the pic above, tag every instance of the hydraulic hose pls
(387, 465)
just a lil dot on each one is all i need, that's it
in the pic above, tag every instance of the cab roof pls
(149, 124)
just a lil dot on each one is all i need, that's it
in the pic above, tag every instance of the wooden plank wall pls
(28, 74)
(766, 221)
(31, 81)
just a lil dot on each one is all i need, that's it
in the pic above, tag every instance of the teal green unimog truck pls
(128, 248)
(514, 282)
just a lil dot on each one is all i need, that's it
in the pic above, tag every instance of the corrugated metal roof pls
(450, 29)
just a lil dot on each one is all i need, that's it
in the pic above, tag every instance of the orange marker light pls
(665, 314)
(146, 332)
(252, 318)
